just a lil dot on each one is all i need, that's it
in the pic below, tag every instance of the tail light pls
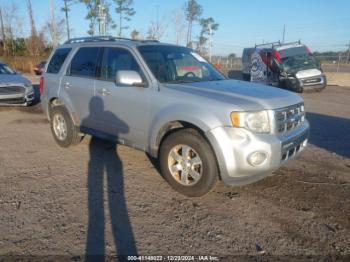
(41, 86)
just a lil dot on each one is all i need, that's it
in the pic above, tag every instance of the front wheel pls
(188, 163)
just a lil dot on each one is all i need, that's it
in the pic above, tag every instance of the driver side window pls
(116, 59)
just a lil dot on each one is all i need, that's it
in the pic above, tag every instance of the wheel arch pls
(56, 101)
(176, 125)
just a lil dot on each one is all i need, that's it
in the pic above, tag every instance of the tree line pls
(117, 14)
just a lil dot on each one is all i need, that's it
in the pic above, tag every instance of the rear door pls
(53, 75)
(77, 86)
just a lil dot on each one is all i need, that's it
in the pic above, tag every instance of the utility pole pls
(210, 40)
(284, 33)
(348, 55)
(101, 18)
(66, 9)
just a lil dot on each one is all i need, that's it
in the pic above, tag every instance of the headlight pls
(29, 89)
(254, 121)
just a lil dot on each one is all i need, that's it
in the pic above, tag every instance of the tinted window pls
(57, 60)
(116, 59)
(84, 62)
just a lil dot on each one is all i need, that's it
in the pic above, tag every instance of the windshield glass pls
(6, 70)
(293, 51)
(299, 62)
(173, 64)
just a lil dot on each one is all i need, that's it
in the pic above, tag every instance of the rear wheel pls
(188, 163)
(63, 129)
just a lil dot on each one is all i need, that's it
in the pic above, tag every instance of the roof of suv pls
(97, 40)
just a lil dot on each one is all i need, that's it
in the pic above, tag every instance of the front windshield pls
(6, 70)
(299, 62)
(173, 64)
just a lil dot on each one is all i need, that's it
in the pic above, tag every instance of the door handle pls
(67, 85)
(104, 92)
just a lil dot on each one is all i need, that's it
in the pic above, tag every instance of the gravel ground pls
(102, 198)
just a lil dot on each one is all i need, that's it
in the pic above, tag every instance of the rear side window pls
(57, 60)
(85, 62)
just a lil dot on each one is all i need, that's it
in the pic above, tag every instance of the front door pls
(125, 108)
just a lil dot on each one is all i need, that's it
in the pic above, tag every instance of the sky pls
(323, 25)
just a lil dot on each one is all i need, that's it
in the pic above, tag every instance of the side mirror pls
(18, 72)
(129, 77)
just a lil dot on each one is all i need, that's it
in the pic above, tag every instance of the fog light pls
(257, 158)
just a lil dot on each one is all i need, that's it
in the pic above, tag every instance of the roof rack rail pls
(103, 38)
(290, 43)
(267, 44)
(89, 39)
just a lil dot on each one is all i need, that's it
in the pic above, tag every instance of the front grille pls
(312, 81)
(11, 101)
(11, 90)
(291, 152)
(291, 147)
(289, 118)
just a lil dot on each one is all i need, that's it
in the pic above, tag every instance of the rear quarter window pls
(57, 60)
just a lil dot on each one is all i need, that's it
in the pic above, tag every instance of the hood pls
(13, 79)
(308, 73)
(240, 94)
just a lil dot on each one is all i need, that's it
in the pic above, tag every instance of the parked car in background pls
(39, 68)
(14, 88)
(170, 102)
(286, 65)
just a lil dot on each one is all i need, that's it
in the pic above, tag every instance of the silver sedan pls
(15, 89)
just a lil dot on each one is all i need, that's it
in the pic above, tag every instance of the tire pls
(180, 142)
(71, 136)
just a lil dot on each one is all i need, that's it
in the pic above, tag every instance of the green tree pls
(232, 56)
(92, 12)
(125, 11)
(193, 11)
(208, 27)
(92, 15)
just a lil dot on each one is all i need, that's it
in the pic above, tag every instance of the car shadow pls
(330, 133)
(105, 164)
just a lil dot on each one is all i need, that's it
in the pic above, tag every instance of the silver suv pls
(170, 102)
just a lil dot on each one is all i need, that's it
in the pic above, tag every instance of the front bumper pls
(233, 146)
(24, 98)
(305, 84)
